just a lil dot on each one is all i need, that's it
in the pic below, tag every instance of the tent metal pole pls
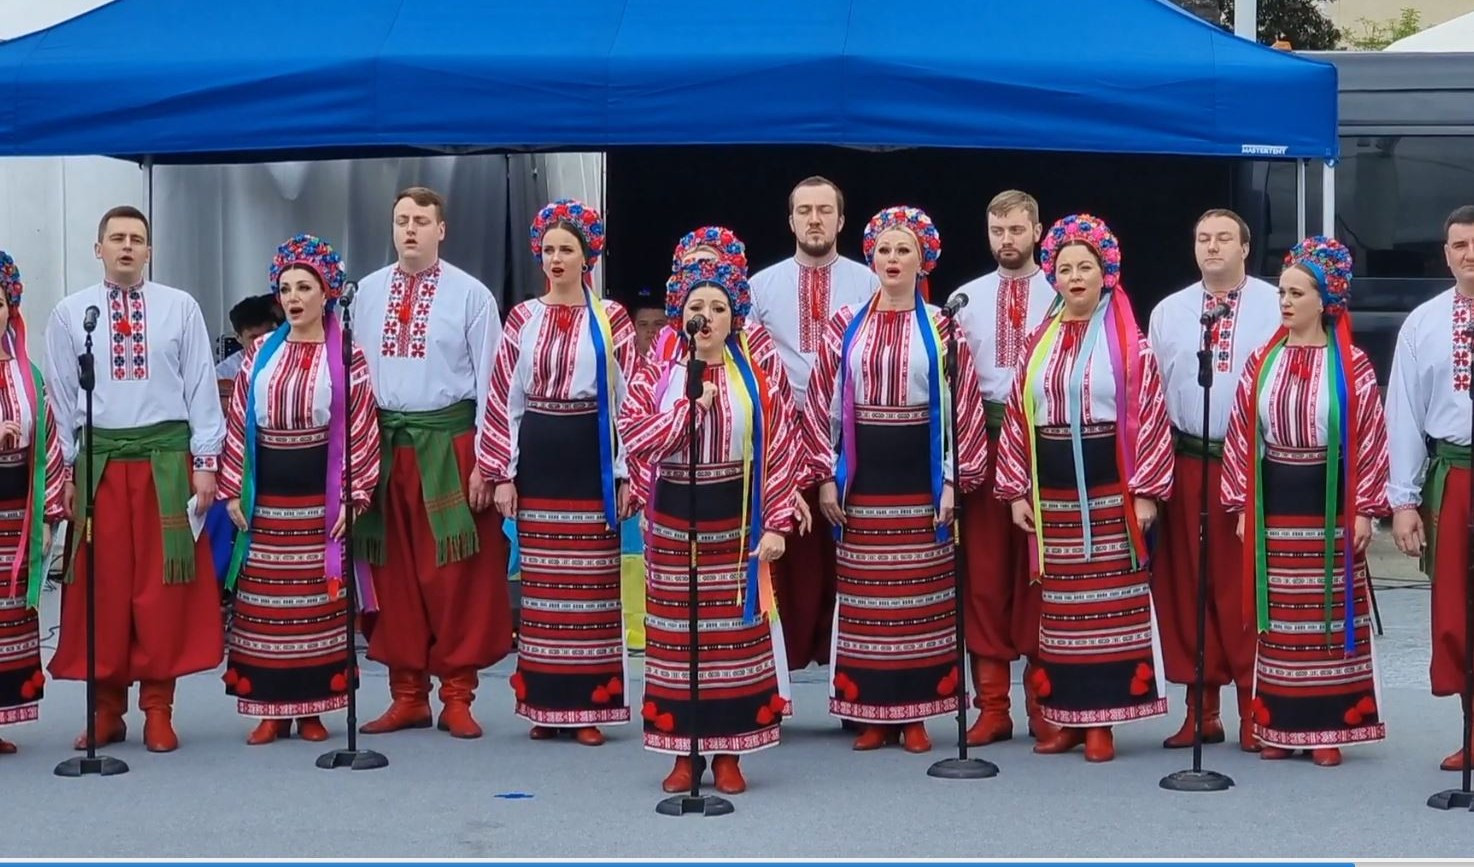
(148, 207)
(1328, 199)
(1301, 207)
(1246, 19)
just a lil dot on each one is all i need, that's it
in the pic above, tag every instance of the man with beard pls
(794, 300)
(1250, 316)
(429, 331)
(1001, 609)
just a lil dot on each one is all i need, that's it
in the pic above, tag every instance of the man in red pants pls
(158, 430)
(1001, 609)
(1249, 316)
(429, 332)
(1428, 487)
(794, 300)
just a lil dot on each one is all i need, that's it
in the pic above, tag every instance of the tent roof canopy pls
(185, 81)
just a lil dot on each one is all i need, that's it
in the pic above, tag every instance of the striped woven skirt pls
(1309, 691)
(739, 677)
(894, 654)
(22, 681)
(286, 655)
(571, 663)
(1100, 651)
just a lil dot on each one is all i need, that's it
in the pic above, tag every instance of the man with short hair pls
(158, 431)
(794, 301)
(1001, 609)
(429, 332)
(250, 318)
(1247, 312)
(1428, 402)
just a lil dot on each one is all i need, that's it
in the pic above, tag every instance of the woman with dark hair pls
(550, 447)
(745, 472)
(1305, 461)
(31, 482)
(708, 243)
(1084, 457)
(297, 419)
(878, 435)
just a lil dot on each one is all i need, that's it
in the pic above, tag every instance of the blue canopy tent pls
(184, 81)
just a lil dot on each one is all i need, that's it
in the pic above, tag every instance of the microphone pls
(349, 290)
(1217, 313)
(955, 303)
(695, 324)
(89, 319)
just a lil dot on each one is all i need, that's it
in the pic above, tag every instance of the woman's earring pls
(586, 268)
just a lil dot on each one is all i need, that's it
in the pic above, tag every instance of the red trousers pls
(433, 618)
(1001, 609)
(146, 629)
(803, 582)
(1229, 639)
(1450, 577)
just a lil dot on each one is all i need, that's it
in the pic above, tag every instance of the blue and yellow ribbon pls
(602, 333)
(272, 345)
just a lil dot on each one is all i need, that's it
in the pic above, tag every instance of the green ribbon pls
(431, 434)
(1445, 456)
(36, 537)
(166, 446)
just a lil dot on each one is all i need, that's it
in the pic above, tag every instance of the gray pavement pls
(506, 796)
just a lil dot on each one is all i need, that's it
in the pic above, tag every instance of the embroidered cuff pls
(207, 463)
(1406, 507)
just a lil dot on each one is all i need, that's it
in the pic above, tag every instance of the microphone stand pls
(961, 767)
(352, 757)
(92, 763)
(693, 801)
(1462, 798)
(1196, 779)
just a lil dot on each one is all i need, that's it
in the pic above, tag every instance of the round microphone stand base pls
(1196, 781)
(1452, 799)
(355, 760)
(699, 805)
(962, 769)
(81, 766)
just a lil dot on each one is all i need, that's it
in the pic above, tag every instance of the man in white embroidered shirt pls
(429, 332)
(794, 300)
(158, 431)
(1248, 315)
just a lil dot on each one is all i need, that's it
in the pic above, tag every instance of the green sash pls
(993, 415)
(430, 434)
(166, 446)
(1445, 456)
(1187, 444)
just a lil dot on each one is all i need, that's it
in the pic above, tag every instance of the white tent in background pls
(1454, 35)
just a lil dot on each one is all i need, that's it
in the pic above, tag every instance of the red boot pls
(990, 679)
(457, 691)
(268, 730)
(1100, 746)
(679, 779)
(1212, 725)
(914, 738)
(727, 776)
(409, 705)
(156, 700)
(1062, 741)
(873, 737)
(310, 728)
(7, 748)
(112, 703)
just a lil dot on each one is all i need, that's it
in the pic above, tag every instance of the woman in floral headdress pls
(31, 481)
(296, 419)
(746, 463)
(1305, 460)
(550, 447)
(879, 445)
(1084, 456)
(714, 243)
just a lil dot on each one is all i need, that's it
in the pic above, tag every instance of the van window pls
(1392, 195)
